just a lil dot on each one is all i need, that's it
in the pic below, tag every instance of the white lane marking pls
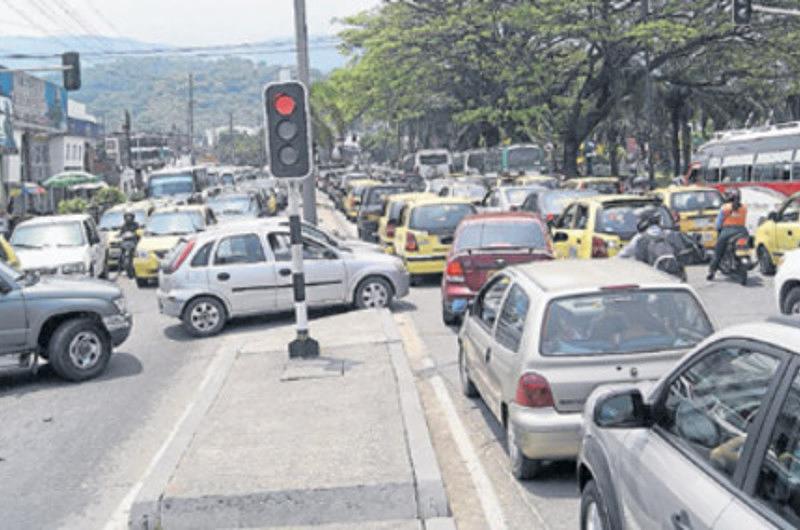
(483, 485)
(119, 519)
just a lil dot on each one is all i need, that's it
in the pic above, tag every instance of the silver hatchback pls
(539, 338)
(245, 269)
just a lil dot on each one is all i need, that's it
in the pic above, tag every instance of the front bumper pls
(545, 434)
(118, 327)
(146, 268)
(422, 264)
(169, 304)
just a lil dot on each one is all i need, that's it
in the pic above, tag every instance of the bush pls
(73, 206)
(108, 197)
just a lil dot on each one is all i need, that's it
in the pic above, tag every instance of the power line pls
(33, 22)
(58, 22)
(89, 31)
(99, 14)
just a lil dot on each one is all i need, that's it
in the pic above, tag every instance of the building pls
(212, 135)
(75, 149)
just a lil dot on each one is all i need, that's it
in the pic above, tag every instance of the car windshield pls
(377, 195)
(47, 235)
(524, 158)
(166, 185)
(501, 234)
(113, 220)
(686, 201)
(603, 187)
(433, 160)
(439, 218)
(469, 192)
(553, 203)
(623, 322)
(233, 206)
(174, 224)
(476, 161)
(516, 196)
(621, 219)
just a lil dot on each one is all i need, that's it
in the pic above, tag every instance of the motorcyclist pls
(129, 223)
(649, 226)
(730, 225)
(654, 245)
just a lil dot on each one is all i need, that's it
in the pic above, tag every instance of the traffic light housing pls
(742, 11)
(288, 129)
(72, 74)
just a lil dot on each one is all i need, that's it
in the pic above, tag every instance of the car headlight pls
(142, 254)
(73, 268)
(121, 303)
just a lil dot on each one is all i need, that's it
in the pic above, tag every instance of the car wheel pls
(594, 514)
(765, 264)
(522, 467)
(791, 304)
(141, 283)
(415, 279)
(448, 317)
(373, 292)
(204, 317)
(79, 349)
(467, 386)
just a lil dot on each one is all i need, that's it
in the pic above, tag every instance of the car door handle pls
(223, 276)
(285, 272)
(680, 521)
(487, 355)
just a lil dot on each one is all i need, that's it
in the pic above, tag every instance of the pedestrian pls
(730, 225)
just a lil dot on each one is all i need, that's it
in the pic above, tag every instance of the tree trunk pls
(675, 119)
(686, 136)
(572, 147)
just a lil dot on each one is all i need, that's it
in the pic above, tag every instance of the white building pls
(68, 151)
(212, 135)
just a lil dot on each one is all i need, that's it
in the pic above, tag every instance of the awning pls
(68, 179)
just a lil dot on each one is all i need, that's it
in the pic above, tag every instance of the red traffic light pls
(284, 105)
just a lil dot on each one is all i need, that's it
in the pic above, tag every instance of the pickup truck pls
(73, 324)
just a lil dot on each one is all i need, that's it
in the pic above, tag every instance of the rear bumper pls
(146, 269)
(545, 434)
(170, 304)
(456, 297)
(433, 264)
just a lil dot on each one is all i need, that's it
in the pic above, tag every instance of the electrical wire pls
(89, 31)
(100, 16)
(33, 22)
(58, 22)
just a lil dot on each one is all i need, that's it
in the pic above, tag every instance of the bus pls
(177, 183)
(523, 159)
(768, 157)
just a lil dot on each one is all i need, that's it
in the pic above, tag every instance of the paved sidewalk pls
(338, 442)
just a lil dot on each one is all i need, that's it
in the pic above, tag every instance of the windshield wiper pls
(25, 245)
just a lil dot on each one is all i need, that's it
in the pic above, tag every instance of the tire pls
(522, 467)
(765, 264)
(374, 292)
(791, 303)
(79, 349)
(141, 283)
(204, 317)
(467, 386)
(415, 279)
(594, 512)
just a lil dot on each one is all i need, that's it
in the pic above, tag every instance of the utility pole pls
(230, 138)
(648, 102)
(191, 119)
(301, 42)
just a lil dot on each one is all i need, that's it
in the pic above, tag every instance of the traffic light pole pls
(301, 38)
(303, 346)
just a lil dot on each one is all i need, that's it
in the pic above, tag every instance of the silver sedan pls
(245, 269)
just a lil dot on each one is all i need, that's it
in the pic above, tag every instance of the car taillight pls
(180, 257)
(389, 229)
(550, 217)
(743, 243)
(454, 272)
(533, 391)
(599, 248)
(411, 243)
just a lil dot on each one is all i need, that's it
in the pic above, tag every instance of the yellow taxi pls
(599, 226)
(424, 235)
(599, 184)
(112, 219)
(695, 208)
(387, 223)
(7, 254)
(778, 234)
(165, 227)
(352, 200)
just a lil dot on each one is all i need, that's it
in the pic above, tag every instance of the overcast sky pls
(178, 22)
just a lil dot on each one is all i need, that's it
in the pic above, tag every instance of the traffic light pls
(72, 74)
(742, 11)
(288, 130)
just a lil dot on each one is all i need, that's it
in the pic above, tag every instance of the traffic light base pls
(303, 347)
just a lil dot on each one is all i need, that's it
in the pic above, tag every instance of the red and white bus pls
(767, 156)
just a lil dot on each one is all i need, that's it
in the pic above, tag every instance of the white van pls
(432, 163)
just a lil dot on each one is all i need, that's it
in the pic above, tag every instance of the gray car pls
(245, 269)
(539, 338)
(74, 324)
(715, 444)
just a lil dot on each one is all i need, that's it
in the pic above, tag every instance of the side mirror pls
(622, 410)
(330, 254)
(560, 237)
(773, 216)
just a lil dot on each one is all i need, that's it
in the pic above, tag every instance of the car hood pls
(357, 245)
(367, 254)
(60, 288)
(153, 243)
(30, 258)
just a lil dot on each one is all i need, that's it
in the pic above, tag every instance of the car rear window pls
(200, 259)
(505, 234)
(439, 218)
(376, 195)
(687, 201)
(621, 219)
(432, 160)
(623, 322)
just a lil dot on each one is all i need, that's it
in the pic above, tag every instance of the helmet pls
(733, 195)
(648, 218)
(128, 217)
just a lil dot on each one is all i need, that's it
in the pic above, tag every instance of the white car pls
(67, 245)
(787, 284)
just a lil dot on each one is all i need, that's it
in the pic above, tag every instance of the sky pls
(175, 22)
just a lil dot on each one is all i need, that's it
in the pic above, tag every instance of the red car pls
(482, 245)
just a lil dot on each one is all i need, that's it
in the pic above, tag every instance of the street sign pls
(742, 11)
(288, 131)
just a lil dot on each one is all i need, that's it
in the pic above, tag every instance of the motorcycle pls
(128, 241)
(737, 261)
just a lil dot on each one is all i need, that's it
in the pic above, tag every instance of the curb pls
(145, 512)
(432, 502)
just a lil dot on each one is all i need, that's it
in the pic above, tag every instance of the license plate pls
(707, 236)
(459, 305)
(702, 223)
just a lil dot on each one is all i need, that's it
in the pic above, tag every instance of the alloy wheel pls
(374, 295)
(795, 309)
(204, 316)
(85, 350)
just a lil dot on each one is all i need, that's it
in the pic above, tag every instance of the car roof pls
(500, 216)
(411, 196)
(594, 179)
(441, 200)
(54, 219)
(605, 199)
(180, 208)
(679, 189)
(783, 332)
(590, 275)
